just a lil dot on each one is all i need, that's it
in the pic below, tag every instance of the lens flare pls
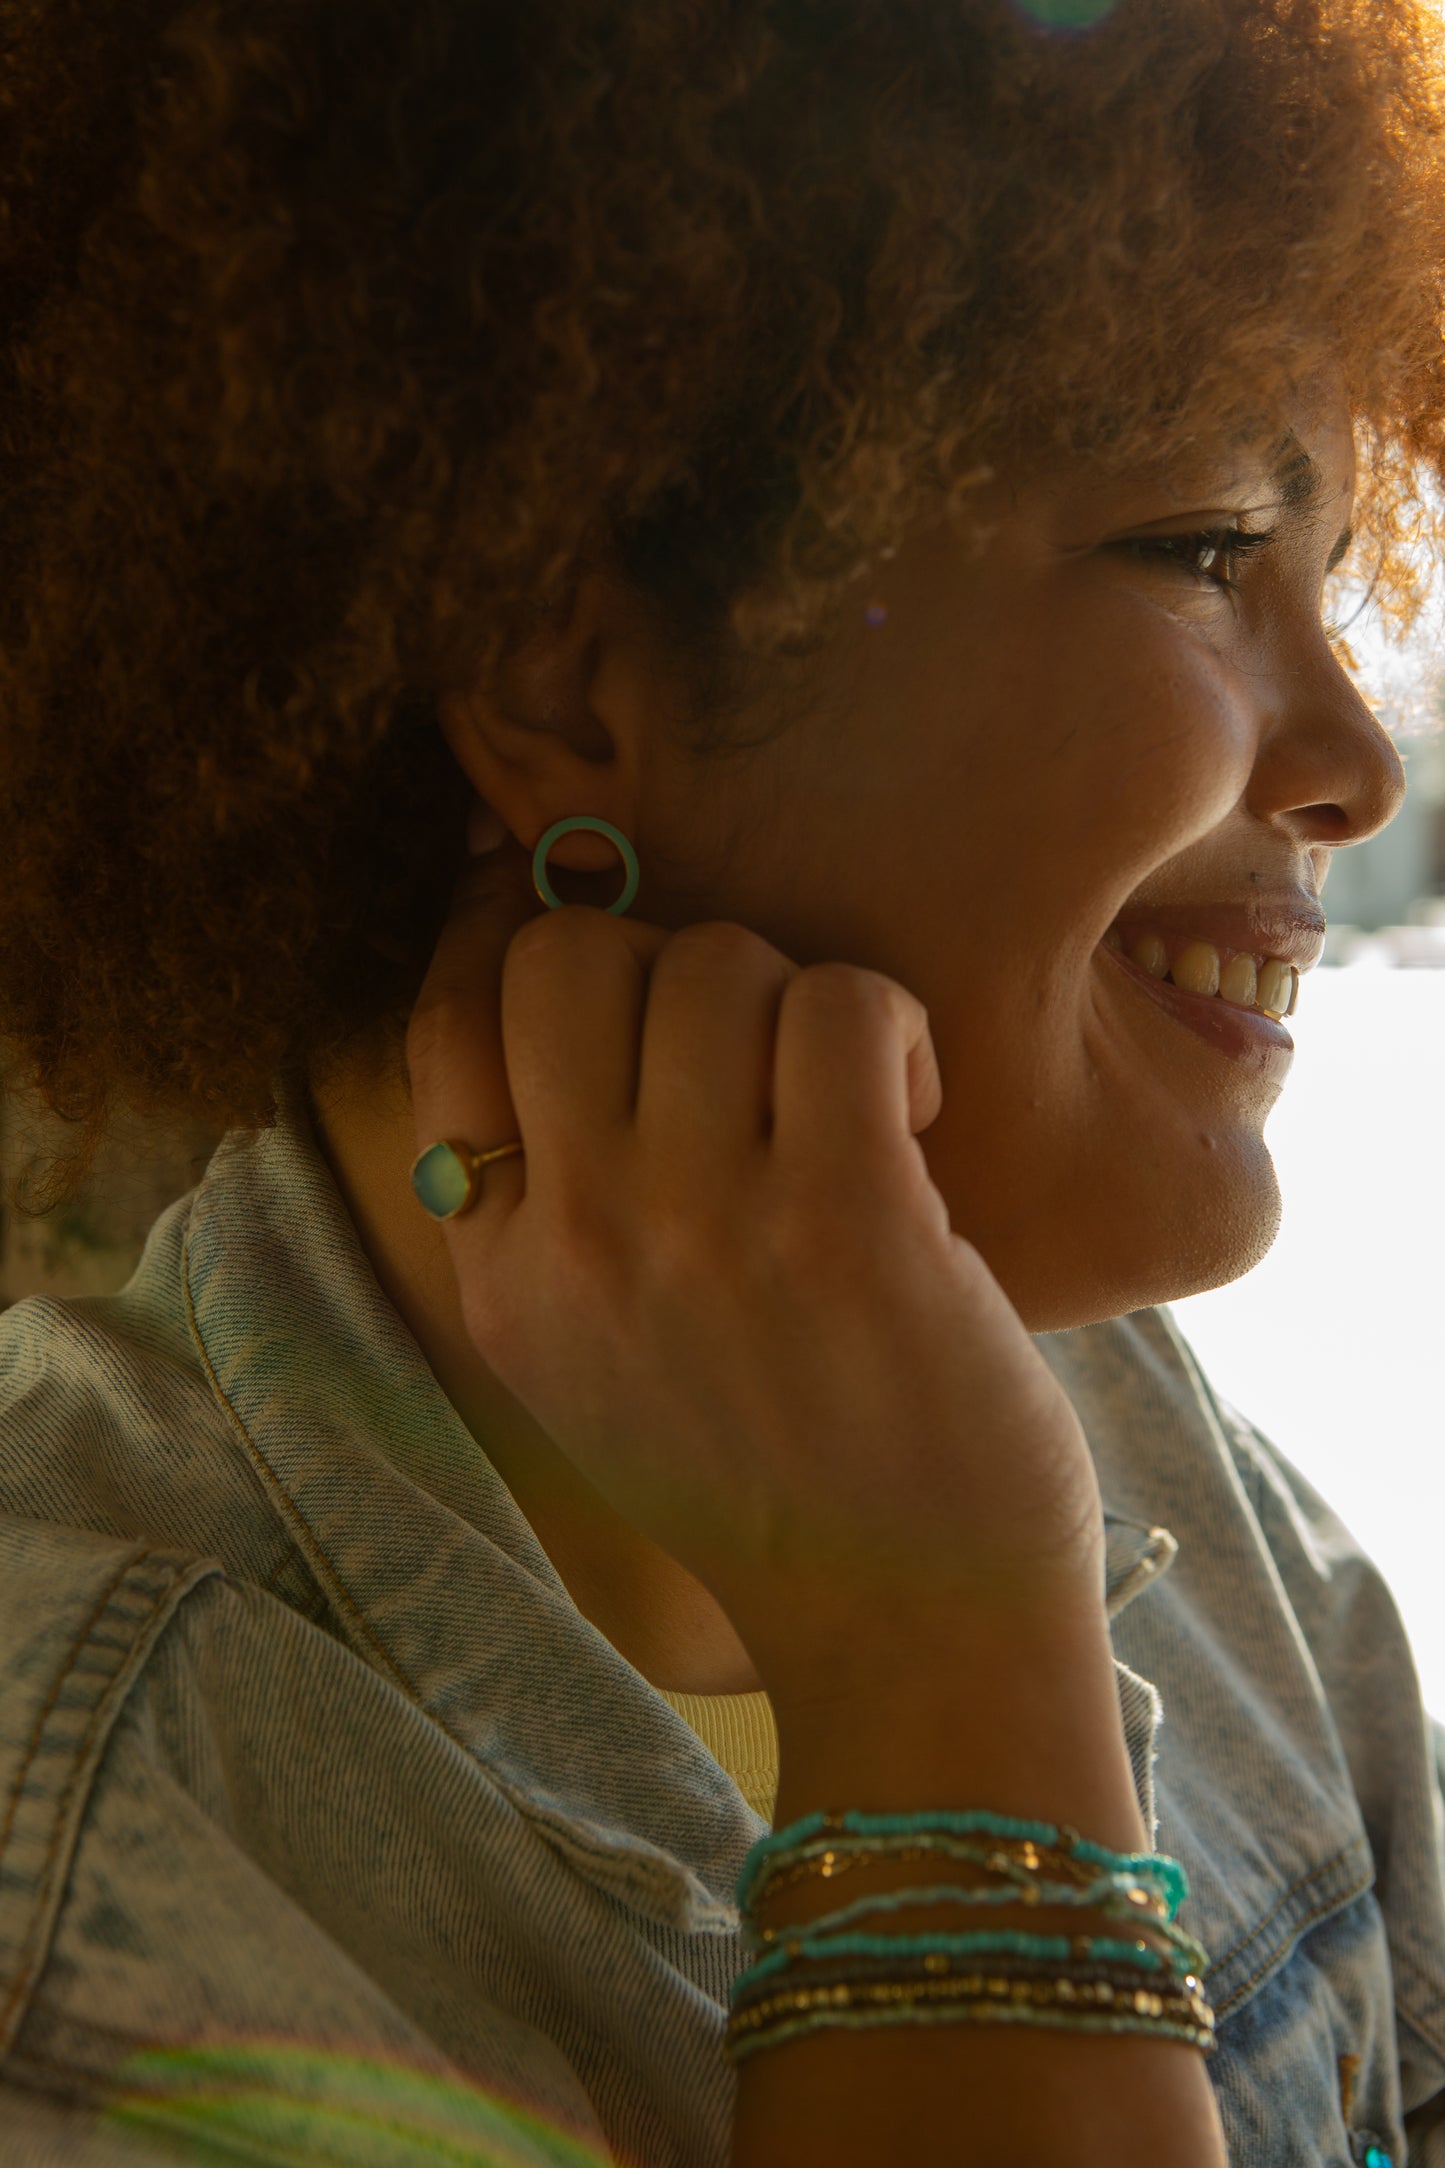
(254, 2100)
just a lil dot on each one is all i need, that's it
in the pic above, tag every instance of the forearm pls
(1032, 1732)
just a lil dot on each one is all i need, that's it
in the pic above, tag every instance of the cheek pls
(1166, 762)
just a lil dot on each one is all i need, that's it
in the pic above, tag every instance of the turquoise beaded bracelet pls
(1151, 1866)
(1187, 1955)
(998, 1942)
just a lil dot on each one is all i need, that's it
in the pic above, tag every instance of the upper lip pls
(1288, 927)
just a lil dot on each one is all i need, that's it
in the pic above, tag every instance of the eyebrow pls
(1301, 487)
(1300, 479)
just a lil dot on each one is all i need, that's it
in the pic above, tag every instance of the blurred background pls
(1335, 1345)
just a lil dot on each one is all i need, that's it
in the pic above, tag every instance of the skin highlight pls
(1021, 740)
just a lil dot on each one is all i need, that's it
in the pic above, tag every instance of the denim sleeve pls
(240, 1918)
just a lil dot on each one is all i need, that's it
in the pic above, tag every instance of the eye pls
(1215, 554)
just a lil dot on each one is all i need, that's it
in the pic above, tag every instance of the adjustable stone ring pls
(447, 1178)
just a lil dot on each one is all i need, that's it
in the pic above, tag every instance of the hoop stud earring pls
(559, 829)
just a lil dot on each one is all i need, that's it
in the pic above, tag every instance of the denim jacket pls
(325, 1816)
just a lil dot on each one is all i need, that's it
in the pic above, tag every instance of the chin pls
(1206, 1242)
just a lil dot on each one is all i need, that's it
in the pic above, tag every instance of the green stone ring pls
(447, 1179)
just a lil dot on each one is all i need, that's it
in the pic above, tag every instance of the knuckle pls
(851, 989)
(716, 944)
(557, 933)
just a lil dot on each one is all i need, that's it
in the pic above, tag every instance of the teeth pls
(1197, 970)
(1272, 987)
(1150, 954)
(1238, 980)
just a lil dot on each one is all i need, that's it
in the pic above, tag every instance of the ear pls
(566, 725)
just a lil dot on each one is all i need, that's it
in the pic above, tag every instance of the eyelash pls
(1233, 543)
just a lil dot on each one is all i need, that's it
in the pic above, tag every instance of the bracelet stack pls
(1141, 1974)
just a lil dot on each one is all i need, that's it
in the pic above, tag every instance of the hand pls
(722, 1279)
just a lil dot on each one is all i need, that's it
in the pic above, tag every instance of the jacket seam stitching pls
(307, 1543)
(42, 1892)
(309, 1548)
(269, 1479)
(1325, 1907)
(1284, 1898)
(32, 1744)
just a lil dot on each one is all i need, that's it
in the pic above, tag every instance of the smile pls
(1246, 1033)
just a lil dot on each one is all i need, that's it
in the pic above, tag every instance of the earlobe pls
(486, 830)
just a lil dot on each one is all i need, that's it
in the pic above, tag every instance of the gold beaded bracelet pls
(995, 1984)
(1088, 2005)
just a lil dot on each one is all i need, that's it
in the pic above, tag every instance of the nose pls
(1328, 770)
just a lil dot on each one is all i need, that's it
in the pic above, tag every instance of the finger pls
(855, 1074)
(574, 987)
(493, 1010)
(459, 1085)
(705, 1091)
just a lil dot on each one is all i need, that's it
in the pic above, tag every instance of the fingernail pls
(486, 830)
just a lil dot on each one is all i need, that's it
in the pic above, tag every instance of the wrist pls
(1018, 1716)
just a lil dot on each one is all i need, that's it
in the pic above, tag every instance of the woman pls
(880, 470)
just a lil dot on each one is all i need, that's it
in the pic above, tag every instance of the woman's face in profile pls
(1095, 716)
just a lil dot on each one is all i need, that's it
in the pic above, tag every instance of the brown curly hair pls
(337, 339)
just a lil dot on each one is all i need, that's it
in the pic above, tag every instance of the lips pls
(1256, 1042)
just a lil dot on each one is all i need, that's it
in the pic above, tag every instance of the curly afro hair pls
(338, 339)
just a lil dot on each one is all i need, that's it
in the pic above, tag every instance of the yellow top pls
(741, 1735)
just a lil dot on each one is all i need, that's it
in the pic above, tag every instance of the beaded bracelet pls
(1018, 1862)
(993, 1978)
(997, 1972)
(1017, 1980)
(758, 1866)
(1112, 1895)
(1186, 1955)
(1095, 1982)
(1062, 2005)
(1001, 1941)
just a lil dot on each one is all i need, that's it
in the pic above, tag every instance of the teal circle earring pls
(558, 829)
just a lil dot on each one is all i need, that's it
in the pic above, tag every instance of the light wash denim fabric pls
(304, 1747)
